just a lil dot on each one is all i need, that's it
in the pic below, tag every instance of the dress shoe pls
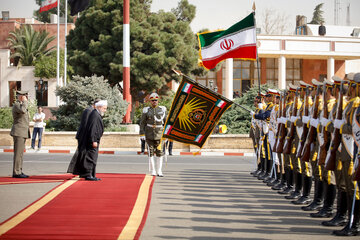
(302, 200)
(347, 231)
(92, 178)
(338, 220)
(293, 195)
(323, 213)
(286, 190)
(279, 186)
(314, 206)
(160, 175)
(22, 175)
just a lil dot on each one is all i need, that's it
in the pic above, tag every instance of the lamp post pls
(40, 88)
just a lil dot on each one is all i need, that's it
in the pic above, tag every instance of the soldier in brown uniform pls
(151, 125)
(20, 132)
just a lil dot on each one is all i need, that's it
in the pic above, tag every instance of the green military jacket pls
(20, 127)
(152, 122)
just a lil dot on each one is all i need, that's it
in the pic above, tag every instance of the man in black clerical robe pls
(84, 118)
(88, 149)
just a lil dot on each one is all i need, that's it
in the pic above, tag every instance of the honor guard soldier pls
(151, 127)
(20, 131)
(255, 134)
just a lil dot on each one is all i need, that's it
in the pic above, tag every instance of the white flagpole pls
(58, 51)
(65, 49)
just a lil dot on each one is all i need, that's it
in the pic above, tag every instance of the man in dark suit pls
(20, 131)
(89, 142)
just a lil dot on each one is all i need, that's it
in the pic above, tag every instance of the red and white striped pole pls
(126, 59)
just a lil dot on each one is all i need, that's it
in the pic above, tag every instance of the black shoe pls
(92, 178)
(273, 182)
(338, 220)
(22, 175)
(323, 213)
(302, 200)
(293, 195)
(314, 206)
(286, 190)
(279, 186)
(347, 231)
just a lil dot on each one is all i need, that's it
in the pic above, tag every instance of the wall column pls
(282, 72)
(229, 84)
(330, 67)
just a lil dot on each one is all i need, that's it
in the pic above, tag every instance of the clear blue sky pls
(221, 14)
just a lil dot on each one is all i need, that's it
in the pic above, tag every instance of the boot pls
(298, 186)
(340, 217)
(268, 171)
(275, 181)
(159, 164)
(326, 210)
(262, 173)
(305, 198)
(152, 166)
(257, 171)
(281, 185)
(289, 182)
(317, 203)
(354, 228)
(170, 147)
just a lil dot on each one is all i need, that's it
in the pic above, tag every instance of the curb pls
(67, 151)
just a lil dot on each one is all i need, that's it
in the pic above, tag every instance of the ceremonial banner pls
(47, 5)
(194, 113)
(238, 41)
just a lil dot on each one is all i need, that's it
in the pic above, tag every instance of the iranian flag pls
(47, 5)
(238, 41)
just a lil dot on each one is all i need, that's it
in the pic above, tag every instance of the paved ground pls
(200, 198)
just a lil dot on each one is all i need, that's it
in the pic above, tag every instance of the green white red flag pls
(238, 41)
(47, 5)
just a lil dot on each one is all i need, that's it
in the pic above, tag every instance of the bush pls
(79, 94)
(238, 120)
(6, 118)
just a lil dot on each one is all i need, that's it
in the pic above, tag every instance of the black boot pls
(317, 203)
(170, 147)
(298, 186)
(305, 198)
(276, 180)
(327, 210)
(354, 228)
(263, 170)
(340, 217)
(289, 182)
(257, 171)
(282, 184)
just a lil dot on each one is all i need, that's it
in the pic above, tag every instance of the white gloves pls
(252, 113)
(324, 121)
(305, 119)
(314, 122)
(338, 123)
(293, 119)
(142, 138)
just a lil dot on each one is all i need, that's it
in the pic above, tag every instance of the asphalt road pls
(200, 198)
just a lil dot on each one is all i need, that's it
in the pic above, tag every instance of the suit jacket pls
(20, 127)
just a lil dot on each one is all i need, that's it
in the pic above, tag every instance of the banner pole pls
(257, 53)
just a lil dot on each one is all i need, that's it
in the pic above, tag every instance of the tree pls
(46, 66)
(237, 119)
(159, 42)
(318, 15)
(45, 16)
(274, 22)
(27, 45)
(79, 94)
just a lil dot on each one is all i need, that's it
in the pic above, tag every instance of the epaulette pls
(331, 104)
(145, 109)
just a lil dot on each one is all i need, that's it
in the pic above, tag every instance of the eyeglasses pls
(154, 100)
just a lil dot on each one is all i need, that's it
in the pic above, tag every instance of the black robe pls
(84, 118)
(86, 157)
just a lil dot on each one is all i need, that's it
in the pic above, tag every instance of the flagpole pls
(65, 47)
(58, 51)
(257, 54)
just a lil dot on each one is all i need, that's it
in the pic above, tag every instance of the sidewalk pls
(131, 151)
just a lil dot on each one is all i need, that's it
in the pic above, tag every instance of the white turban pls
(101, 103)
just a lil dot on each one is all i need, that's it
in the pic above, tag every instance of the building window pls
(209, 80)
(272, 70)
(41, 89)
(245, 75)
(293, 71)
(13, 87)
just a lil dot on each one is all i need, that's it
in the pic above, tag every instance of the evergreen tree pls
(27, 45)
(318, 15)
(79, 94)
(159, 42)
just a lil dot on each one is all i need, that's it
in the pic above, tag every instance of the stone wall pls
(130, 141)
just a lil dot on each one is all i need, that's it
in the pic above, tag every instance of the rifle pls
(279, 124)
(330, 162)
(312, 131)
(291, 135)
(324, 147)
(305, 127)
(356, 174)
(282, 129)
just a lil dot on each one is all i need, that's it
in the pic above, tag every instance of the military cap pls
(262, 94)
(329, 82)
(292, 88)
(154, 96)
(304, 84)
(316, 83)
(273, 92)
(21, 92)
(357, 77)
(350, 76)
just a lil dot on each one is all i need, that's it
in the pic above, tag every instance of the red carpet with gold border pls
(36, 179)
(114, 208)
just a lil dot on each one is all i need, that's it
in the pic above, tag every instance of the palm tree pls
(27, 45)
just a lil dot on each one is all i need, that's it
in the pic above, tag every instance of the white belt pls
(154, 125)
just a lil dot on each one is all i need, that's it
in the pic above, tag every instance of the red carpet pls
(86, 210)
(36, 179)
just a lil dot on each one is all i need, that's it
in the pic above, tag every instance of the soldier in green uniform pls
(20, 131)
(151, 125)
